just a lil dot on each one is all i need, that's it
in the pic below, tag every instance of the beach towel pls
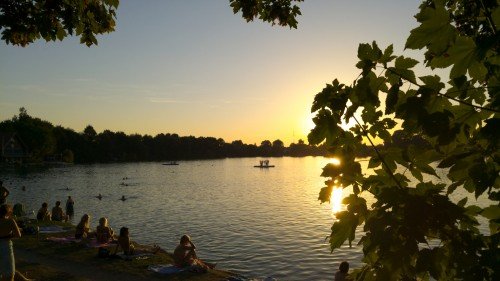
(138, 256)
(165, 269)
(51, 229)
(64, 240)
(94, 244)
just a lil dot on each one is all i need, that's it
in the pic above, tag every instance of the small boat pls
(264, 164)
(173, 163)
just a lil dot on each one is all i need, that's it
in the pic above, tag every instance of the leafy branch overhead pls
(459, 121)
(281, 12)
(24, 21)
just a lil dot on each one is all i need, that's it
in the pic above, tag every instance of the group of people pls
(184, 254)
(57, 213)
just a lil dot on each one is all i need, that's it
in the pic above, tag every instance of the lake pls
(255, 222)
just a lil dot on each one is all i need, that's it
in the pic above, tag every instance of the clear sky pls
(195, 68)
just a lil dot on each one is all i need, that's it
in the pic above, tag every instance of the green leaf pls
(491, 212)
(435, 31)
(392, 98)
(462, 202)
(462, 55)
(387, 56)
(405, 63)
(343, 229)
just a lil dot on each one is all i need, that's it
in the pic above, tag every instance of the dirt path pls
(82, 271)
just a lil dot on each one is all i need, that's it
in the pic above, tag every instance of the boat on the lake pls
(172, 163)
(264, 164)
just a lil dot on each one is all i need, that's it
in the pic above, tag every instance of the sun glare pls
(334, 161)
(336, 199)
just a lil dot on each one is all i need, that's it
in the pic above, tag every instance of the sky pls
(195, 68)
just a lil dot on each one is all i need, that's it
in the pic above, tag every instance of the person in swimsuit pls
(70, 210)
(8, 230)
(185, 256)
(104, 233)
(43, 214)
(57, 213)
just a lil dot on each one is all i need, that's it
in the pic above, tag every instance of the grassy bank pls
(55, 261)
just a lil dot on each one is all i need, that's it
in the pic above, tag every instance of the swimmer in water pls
(123, 198)
(99, 196)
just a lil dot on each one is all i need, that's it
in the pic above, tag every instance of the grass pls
(79, 253)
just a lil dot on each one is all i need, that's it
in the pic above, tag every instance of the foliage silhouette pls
(24, 21)
(458, 125)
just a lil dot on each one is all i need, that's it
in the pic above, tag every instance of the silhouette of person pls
(341, 274)
(70, 207)
(4, 192)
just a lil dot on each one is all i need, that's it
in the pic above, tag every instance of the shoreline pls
(41, 259)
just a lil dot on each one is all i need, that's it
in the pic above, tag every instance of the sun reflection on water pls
(336, 196)
(336, 200)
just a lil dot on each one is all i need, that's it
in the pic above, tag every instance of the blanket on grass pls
(51, 229)
(165, 269)
(64, 240)
(138, 256)
(94, 244)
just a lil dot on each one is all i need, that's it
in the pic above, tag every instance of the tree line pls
(48, 142)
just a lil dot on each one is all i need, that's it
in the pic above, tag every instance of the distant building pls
(13, 148)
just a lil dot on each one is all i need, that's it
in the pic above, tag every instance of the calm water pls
(256, 222)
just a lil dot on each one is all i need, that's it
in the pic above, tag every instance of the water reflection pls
(335, 161)
(336, 196)
(336, 200)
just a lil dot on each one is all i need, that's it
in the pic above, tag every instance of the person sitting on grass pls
(125, 243)
(58, 213)
(185, 256)
(104, 233)
(82, 230)
(128, 248)
(43, 214)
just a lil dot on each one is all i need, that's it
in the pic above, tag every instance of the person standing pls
(4, 192)
(8, 230)
(70, 210)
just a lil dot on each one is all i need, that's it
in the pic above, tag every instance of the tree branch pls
(445, 95)
(378, 154)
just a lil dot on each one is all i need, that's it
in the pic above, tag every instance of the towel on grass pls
(94, 244)
(138, 256)
(165, 269)
(51, 229)
(63, 240)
